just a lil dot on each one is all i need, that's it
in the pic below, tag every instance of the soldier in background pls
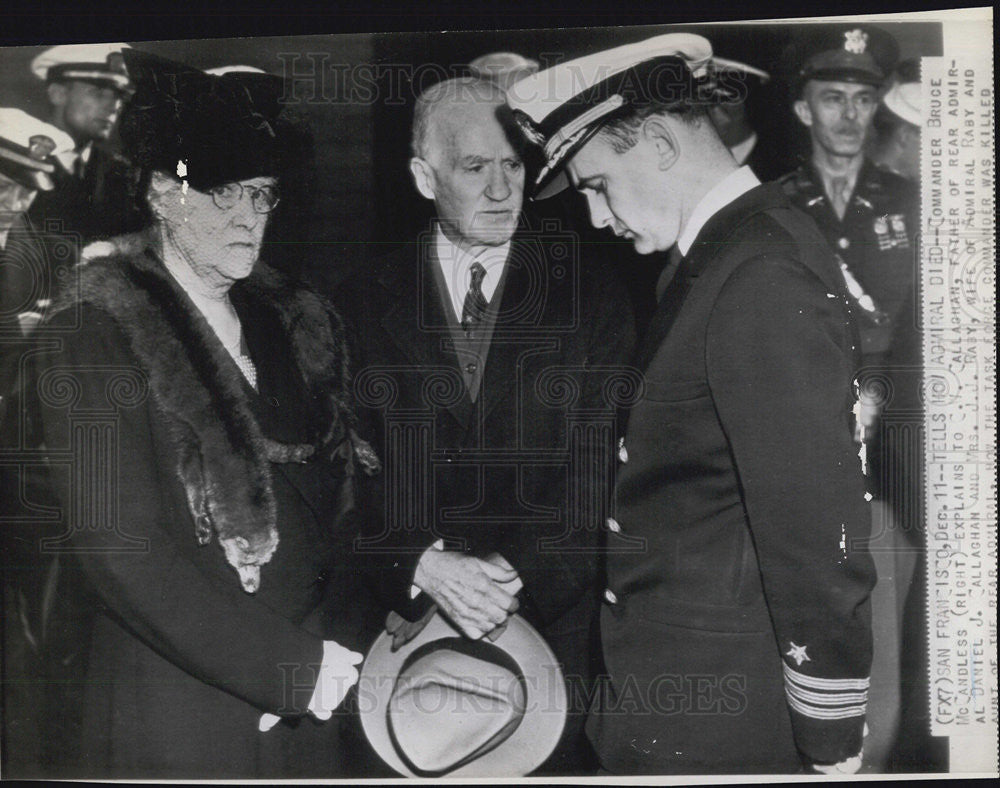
(867, 215)
(94, 198)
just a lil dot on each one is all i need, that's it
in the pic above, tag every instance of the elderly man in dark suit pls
(736, 626)
(490, 361)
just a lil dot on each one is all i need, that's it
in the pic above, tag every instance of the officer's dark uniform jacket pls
(736, 624)
(876, 240)
(97, 206)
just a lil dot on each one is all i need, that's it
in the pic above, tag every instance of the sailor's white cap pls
(905, 100)
(28, 147)
(726, 64)
(503, 68)
(100, 64)
(562, 107)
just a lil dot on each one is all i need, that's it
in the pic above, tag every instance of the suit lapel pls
(706, 247)
(667, 309)
(517, 309)
(417, 324)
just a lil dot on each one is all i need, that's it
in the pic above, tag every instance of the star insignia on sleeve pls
(798, 653)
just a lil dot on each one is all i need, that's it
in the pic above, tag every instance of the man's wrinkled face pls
(15, 199)
(838, 114)
(625, 192)
(477, 178)
(87, 112)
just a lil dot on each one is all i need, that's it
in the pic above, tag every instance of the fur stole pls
(221, 456)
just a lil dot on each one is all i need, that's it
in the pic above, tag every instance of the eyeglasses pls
(262, 198)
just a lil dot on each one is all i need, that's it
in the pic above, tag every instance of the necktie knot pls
(841, 188)
(474, 307)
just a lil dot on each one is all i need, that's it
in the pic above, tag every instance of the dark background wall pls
(356, 92)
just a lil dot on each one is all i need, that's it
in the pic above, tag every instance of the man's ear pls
(58, 94)
(658, 131)
(803, 112)
(423, 177)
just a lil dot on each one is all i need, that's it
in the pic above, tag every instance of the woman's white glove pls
(337, 675)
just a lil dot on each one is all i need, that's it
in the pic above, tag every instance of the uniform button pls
(613, 525)
(843, 243)
(610, 596)
(622, 451)
(470, 368)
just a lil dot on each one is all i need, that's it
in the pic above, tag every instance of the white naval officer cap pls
(562, 107)
(28, 147)
(99, 64)
(905, 99)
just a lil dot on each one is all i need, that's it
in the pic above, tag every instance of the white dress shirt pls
(455, 264)
(68, 158)
(734, 185)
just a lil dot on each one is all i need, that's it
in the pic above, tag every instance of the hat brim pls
(531, 742)
(899, 106)
(29, 172)
(845, 75)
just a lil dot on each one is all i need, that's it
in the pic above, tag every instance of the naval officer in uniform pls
(86, 86)
(735, 623)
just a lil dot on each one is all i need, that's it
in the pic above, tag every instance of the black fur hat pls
(205, 128)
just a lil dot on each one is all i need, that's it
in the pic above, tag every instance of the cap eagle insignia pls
(40, 146)
(856, 41)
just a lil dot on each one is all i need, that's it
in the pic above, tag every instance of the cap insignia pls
(856, 41)
(528, 127)
(40, 146)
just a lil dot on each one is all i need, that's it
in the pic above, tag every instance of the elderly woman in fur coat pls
(188, 410)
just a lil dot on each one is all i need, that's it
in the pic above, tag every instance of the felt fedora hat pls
(442, 705)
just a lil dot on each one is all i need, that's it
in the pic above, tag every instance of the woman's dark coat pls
(146, 440)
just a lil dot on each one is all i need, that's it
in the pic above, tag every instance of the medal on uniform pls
(881, 227)
(899, 230)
